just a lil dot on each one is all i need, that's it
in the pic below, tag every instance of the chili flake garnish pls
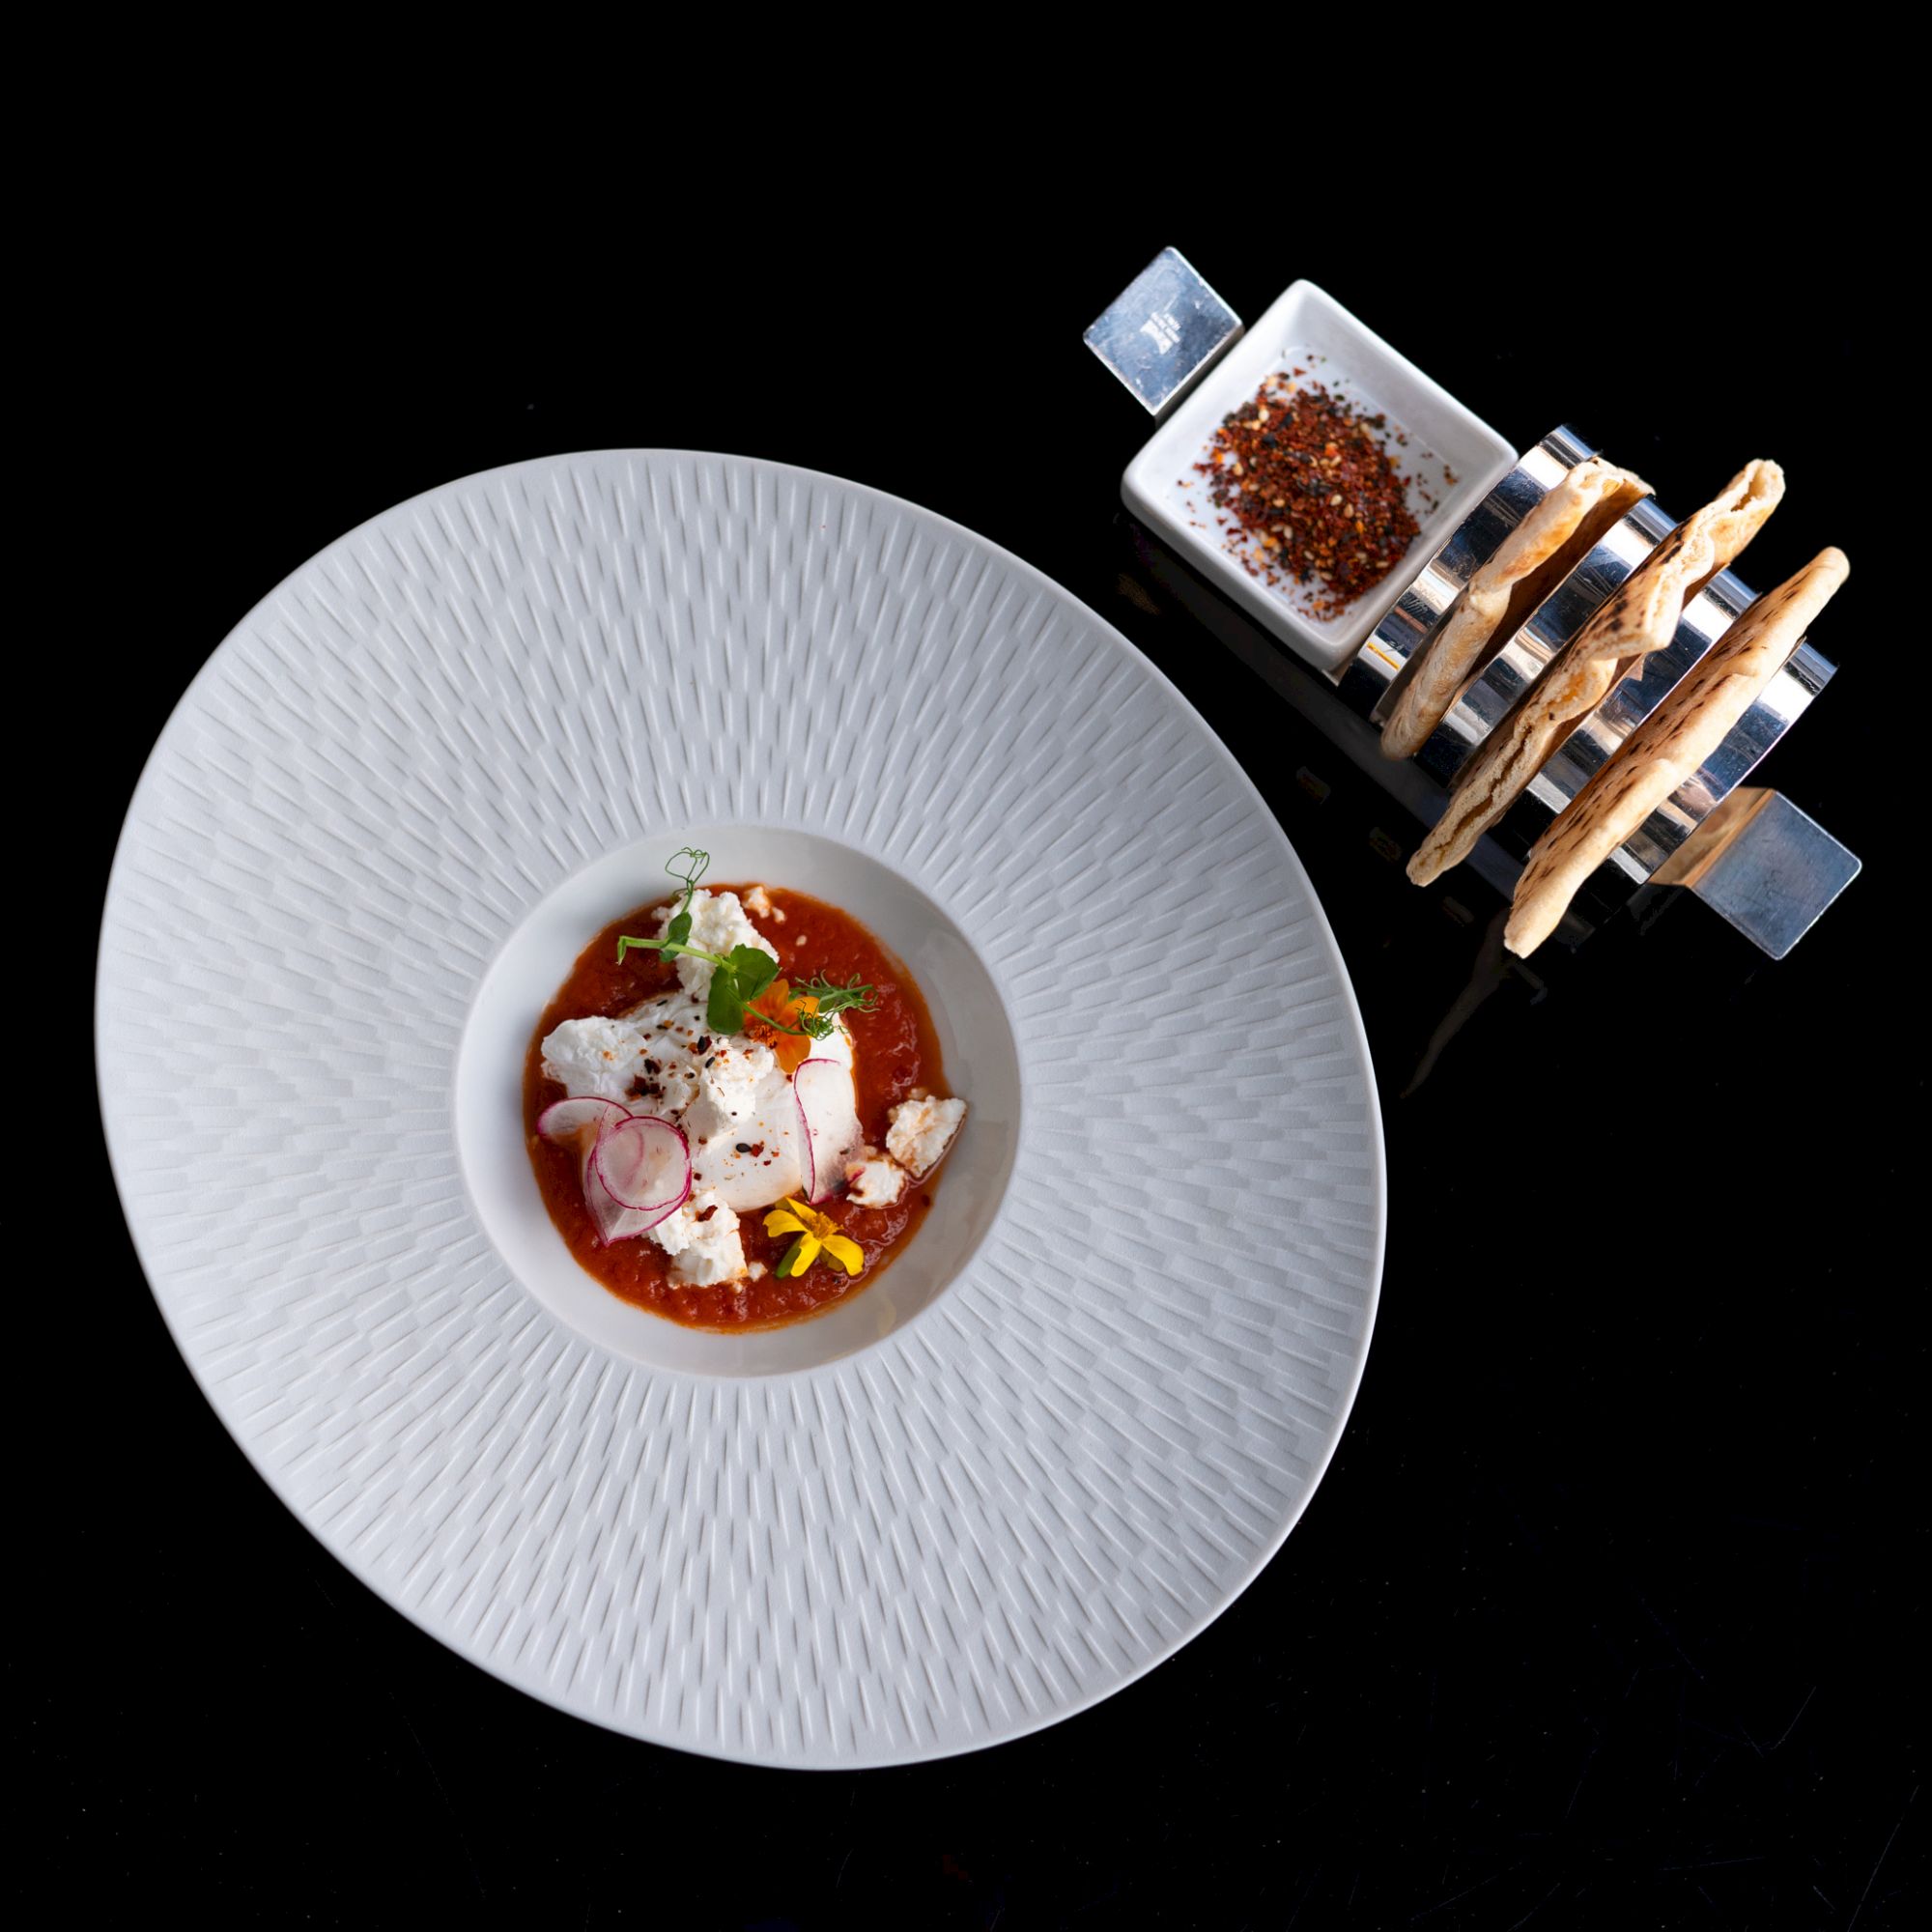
(1308, 492)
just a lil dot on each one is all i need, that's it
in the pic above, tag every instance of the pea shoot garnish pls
(740, 976)
(813, 1002)
(678, 931)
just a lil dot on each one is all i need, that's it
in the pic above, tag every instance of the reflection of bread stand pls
(1761, 862)
(1487, 974)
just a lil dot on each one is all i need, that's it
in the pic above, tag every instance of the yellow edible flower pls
(814, 1231)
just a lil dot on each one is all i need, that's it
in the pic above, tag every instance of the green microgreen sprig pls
(854, 997)
(740, 976)
(679, 929)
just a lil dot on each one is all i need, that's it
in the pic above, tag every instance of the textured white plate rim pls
(1120, 644)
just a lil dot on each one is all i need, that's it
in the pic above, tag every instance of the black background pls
(1606, 1611)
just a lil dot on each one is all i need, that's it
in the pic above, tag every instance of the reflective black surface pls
(1605, 1612)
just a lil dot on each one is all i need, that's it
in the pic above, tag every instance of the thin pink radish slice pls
(644, 1163)
(613, 1223)
(589, 1121)
(565, 1120)
(620, 1224)
(823, 1091)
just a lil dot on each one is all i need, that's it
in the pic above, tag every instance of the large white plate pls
(1091, 1399)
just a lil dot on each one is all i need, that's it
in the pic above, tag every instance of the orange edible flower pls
(776, 1004)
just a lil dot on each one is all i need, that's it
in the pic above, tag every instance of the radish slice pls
(614, 1224)
(808, 1164)
(644, 1163)
(590, 1123)
(823, 1091)
(565, 1120)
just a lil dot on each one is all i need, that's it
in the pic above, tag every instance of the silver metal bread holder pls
(1747, 852)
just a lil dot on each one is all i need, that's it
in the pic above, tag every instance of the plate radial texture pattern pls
(999, 1513)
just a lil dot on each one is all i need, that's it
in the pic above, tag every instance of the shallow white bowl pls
(1088, 1400)
(1157, 489)
(976, 1041)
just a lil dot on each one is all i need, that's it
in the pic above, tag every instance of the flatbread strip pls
(1667, 748)
(1451, 658)
(1639, 616)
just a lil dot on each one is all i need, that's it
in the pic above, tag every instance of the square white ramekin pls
(1365, 369)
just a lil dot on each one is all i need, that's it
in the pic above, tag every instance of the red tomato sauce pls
(896, 1051)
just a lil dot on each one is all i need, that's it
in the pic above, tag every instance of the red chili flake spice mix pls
(1310, 485)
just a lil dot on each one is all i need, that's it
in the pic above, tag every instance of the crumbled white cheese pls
(596, 1057)
(759, 901)
(732, 1080)
(718, 924)
(702, 1251)
(646, 1061)
(745, 1127)
(738, 1109)
(875, 1181)
(920, 1131)
(735, 1104)
(670, 1090)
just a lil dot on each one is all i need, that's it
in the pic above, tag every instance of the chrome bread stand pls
(1749, 852)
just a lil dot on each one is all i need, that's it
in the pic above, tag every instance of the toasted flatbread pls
(1667, 748)
(1560, 528)
(1639, 616)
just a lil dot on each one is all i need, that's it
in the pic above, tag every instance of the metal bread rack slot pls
(1795, 867)
(1749, 852)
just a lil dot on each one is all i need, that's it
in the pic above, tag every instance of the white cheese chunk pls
(875, 1181)
(920, 1132)
(718, 924)
(731, 1079)
(597, 1057)
(646, 1061)
(704, 1251)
